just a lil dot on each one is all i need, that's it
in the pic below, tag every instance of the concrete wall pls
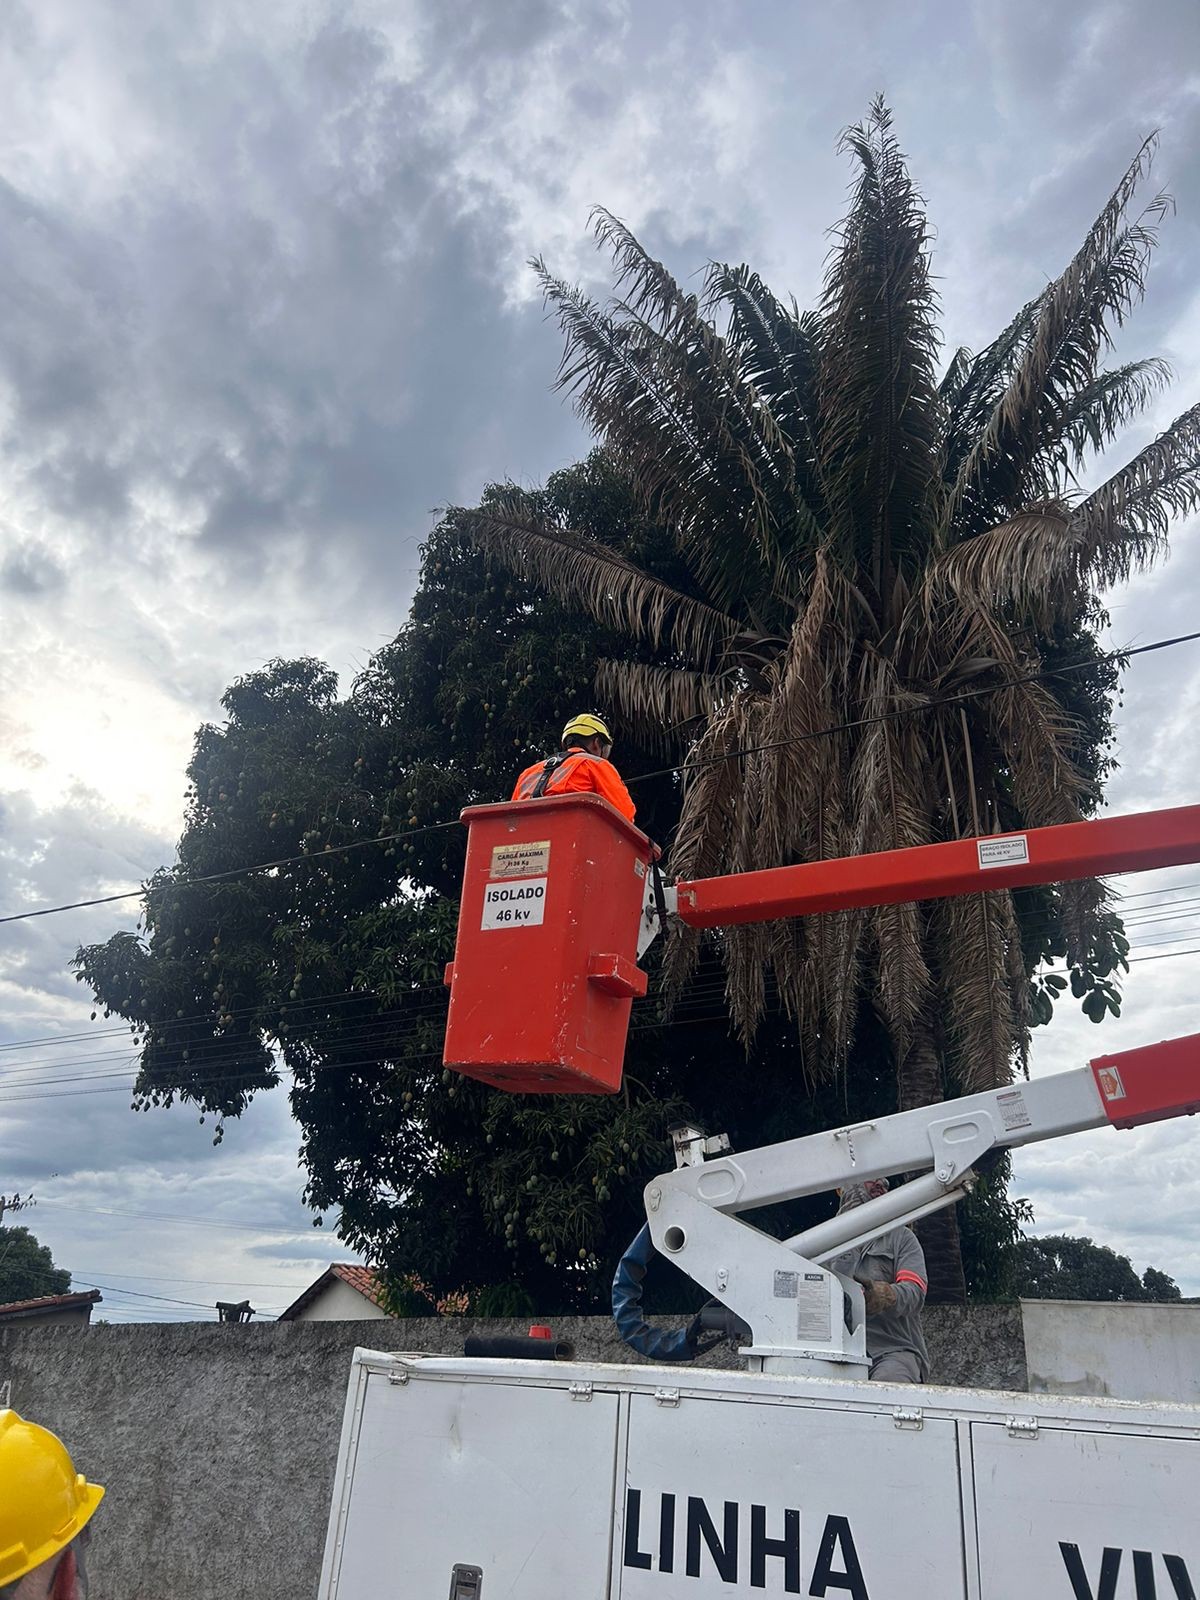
(217, 1442)
(1126, 1351)
(338, 1302)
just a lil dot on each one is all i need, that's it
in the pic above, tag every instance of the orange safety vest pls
(577, 772)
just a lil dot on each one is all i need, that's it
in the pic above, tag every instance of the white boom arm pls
(800, 1313)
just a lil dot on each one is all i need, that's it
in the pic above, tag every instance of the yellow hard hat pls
(589, 726)
(44, 1502)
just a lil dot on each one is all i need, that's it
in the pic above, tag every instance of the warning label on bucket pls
(520, 860)
(520, 903)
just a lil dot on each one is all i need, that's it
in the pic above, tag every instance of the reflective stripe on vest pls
(534, 786)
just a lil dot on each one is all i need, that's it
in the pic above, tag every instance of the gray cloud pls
(29, 571)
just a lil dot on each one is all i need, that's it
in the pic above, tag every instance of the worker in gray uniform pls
(891, 1270)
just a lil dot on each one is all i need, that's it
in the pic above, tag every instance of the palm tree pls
(865, 547)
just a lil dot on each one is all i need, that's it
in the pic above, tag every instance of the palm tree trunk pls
(921, 1085)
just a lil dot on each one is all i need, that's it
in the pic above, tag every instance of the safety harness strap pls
(548, 771)
(551, 766)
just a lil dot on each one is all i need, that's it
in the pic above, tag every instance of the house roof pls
(50, 1303)
(349, 1272)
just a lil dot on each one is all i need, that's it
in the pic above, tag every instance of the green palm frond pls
(973, 386)
(778, 350)
(662, 407)
(1098, 412)
(879, 405)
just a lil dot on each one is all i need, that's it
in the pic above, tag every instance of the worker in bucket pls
(891, 1271)
(46, 1509)
(580, 767)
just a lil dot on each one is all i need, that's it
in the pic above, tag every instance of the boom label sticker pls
(520, 860)
(1013, 1111)
(1009, 851)
(1110, 1083)
(519, 903)
(812, 1307)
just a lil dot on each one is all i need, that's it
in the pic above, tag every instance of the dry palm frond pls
(1038, 740)
(580, 571)
(1032, 566)
(860, 540)
(1161, 481)
(1099, 411)
(1082, 905)
(1074, 318)
(663, 703)
(712, 791)
(893, 812)
(970, 936)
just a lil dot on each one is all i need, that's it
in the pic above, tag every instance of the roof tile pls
(52, 1302)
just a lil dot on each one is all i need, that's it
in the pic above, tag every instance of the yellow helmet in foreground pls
(44, 1502)
(588, 726)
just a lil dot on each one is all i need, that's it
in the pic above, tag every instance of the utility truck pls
(538, 1479)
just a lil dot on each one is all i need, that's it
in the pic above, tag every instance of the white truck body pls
(538, 1480)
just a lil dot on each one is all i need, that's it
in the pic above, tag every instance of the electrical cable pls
(237, 872)
(392, 1033)
(198, 1222)
(296, 1011)
(290, 1006)
(136, 1294)
(933, 704)
(25, 1097)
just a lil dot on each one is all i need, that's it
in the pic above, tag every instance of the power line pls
(290, 1007)
(659, 1026)
(141, 1294)
(197, 1222)
(931, 704)
(54, 1093)
(388, 1038)
(237, 872)
(414, 1007)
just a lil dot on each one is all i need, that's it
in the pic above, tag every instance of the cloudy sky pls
(264, 304)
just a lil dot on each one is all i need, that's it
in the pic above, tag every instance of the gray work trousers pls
(897, 1366)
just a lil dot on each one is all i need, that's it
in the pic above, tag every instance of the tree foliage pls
(861, 539)
(27, 1270)
(1060, 1267)
(325, 972)
(792, 527)
(881, 630)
